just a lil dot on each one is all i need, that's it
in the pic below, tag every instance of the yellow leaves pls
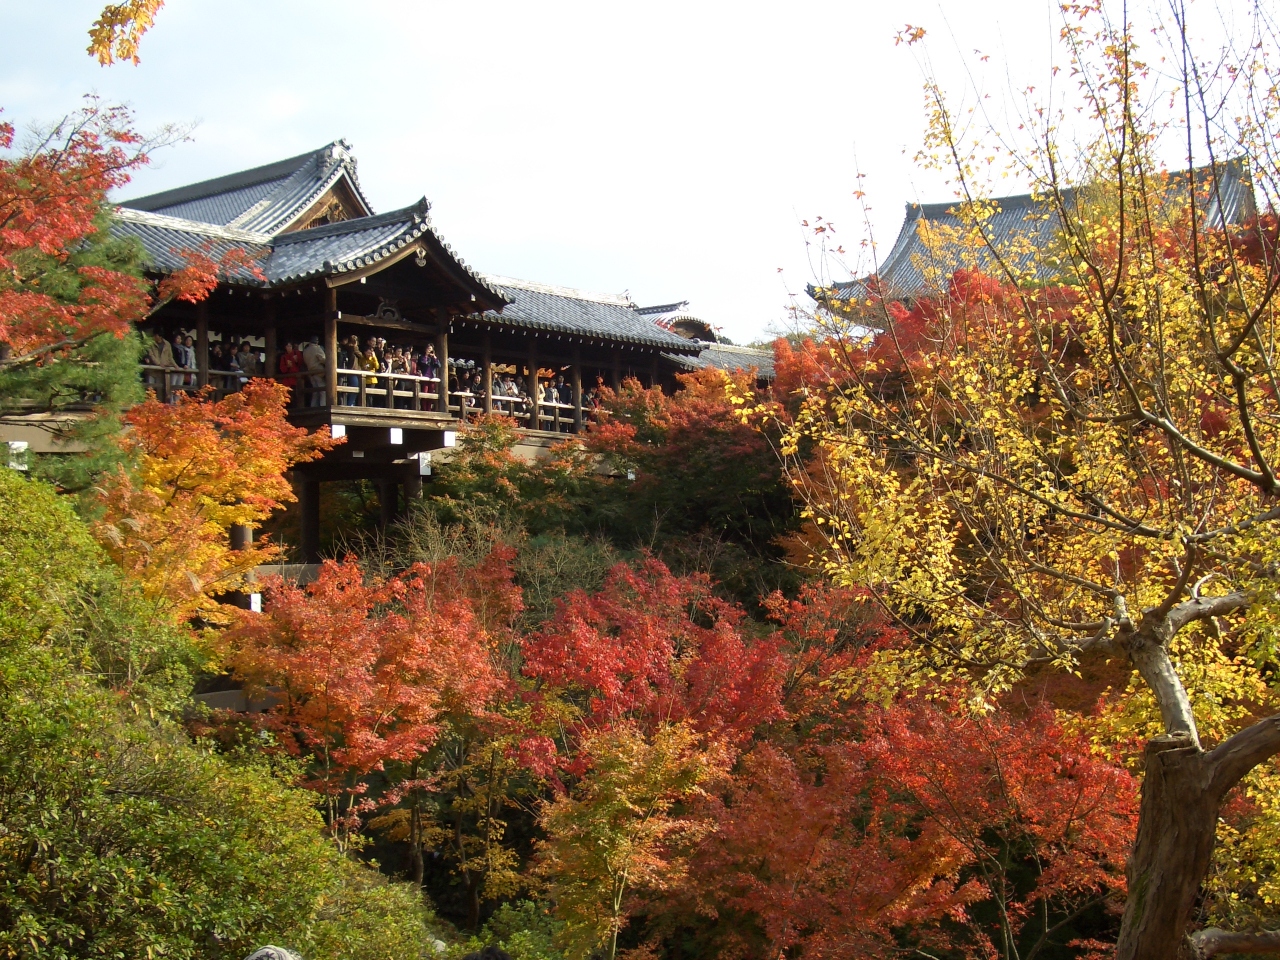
(115, 35)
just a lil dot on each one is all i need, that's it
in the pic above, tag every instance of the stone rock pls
(273, 953)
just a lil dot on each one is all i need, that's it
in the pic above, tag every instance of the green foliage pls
(45, 557)
(526, 930)
(119, 837)
(100, 374)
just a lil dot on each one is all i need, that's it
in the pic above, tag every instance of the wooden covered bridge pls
(326, 269)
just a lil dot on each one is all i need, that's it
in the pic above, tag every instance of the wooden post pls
(309, 507)
(388, 501)
(577, 389)
(202, 343)
(412, 486)
(442, 351)
(331, 347)
(271, 367)
(531, 387)
(615, 371)
(653, 372)
(486, 373)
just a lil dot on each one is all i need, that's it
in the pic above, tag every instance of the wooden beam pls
(577, 389)
(442, 351)
(202, 343)
(531, 386)
(486, 361)
(424, 329)
(331, 347)
(272, 348)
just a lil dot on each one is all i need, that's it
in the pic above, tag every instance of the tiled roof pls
(166, 241)
(267, 199)
(541, 306)
(1022, 230)
(723, 356)
(288, 258)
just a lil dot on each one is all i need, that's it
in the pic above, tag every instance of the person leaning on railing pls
(369, 362)
(159, 354)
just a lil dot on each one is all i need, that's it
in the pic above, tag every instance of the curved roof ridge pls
(613, 299)
(415, 211)
(211, 230)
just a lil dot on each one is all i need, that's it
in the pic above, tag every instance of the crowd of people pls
(383, 369)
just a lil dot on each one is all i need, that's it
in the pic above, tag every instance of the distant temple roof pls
(565, 310)
(729, 358)
(1023, 226)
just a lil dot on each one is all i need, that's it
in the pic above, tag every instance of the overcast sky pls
(666, 148)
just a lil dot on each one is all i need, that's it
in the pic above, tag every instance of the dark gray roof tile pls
(268, 198)
(729, 358)
(541, 306)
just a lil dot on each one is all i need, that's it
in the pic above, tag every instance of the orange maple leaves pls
(201, 467)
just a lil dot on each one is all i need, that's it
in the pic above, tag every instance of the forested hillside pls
(957, 640)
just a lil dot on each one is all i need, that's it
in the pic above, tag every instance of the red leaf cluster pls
(654, 647)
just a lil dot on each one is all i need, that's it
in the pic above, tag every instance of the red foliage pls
(362, 670)
(832, 851)
(201, 272)
(655, 647)
(50, 200)
(824, 632)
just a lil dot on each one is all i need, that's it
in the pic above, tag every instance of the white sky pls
(668, 148)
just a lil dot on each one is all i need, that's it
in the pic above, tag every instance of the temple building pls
(931, 244)
(308, 262)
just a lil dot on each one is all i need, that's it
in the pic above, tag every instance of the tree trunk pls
(415, 843)
(1176, 826)
(1182, 791)
(473, 902)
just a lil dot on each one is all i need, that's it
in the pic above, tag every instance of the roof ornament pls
(421, 258)
(387, 310)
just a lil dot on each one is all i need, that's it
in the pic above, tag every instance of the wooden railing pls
(377, 391)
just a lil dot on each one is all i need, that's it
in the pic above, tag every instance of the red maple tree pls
(362, 669)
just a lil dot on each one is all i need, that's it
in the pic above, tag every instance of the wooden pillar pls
(331, 347)
(653, 372)
(577, 389)
(442, 351)
(486, 374)
(531, 387)
(412, 486)
(615, 371)
(241, 536)
(271, 367)
(309, 508)
(202, 343)
(388, 502)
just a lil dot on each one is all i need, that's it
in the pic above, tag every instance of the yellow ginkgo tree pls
(1069, 446)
